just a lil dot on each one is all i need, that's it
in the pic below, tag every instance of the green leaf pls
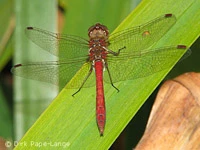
(71, 120)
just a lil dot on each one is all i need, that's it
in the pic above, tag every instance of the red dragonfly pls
(124, 55)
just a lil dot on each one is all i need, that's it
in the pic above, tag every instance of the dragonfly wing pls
(55, 72)
(129, 66)
(64, 46)
(141, 37)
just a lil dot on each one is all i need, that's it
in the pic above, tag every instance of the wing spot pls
(146, 33)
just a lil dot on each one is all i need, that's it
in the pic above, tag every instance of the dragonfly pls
(104, 58)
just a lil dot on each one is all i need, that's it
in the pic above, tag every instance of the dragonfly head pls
(98, 31)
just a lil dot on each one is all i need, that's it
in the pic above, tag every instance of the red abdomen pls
(100, 101)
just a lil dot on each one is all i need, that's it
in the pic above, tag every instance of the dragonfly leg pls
(106, 65)
(115, 53)
(89, 73)
(119, 50)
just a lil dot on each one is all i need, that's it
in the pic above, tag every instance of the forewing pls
(64, 46)
(141, 37)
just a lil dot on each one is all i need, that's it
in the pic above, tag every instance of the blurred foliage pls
(7, 27)
(31, 97)
(7, 24)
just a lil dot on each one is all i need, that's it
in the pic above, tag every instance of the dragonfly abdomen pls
(100, 100)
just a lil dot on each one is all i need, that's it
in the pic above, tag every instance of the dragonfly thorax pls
(97, 53)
